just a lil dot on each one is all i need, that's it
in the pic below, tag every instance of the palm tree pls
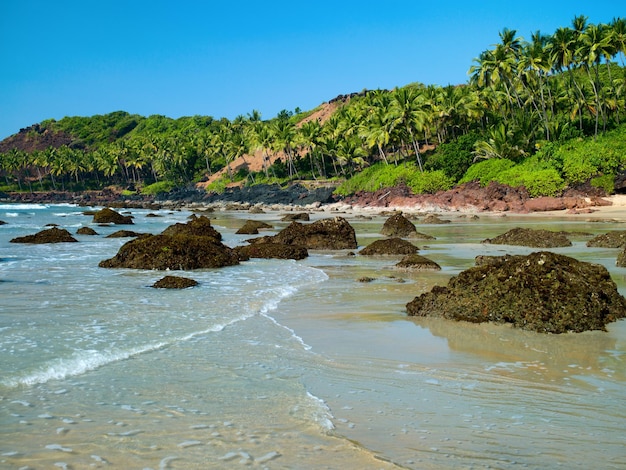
(408, 113)
(284, 134)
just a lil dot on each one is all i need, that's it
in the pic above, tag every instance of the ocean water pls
(284, 364)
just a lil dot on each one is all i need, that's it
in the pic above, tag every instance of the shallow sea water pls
(283, 364)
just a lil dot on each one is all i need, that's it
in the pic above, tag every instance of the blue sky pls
(221, 59)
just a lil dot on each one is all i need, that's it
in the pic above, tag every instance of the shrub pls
(429, 182)
(605, 182)
(455, 157)
(539, 182)
(158, 187)
(486, 170)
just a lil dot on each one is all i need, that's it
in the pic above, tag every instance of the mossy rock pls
(415, 262)
(544, 292)
(173, 252)
(531, 238)
(198, 226)
(324, 234)
(434, 219)
(125, 234)
(86, 231)
(389, 246)
(251, 227)
(175, 282)
(51, 235)
(616, 239)
(109, 216)
(398, 226)
(297, 216)
(272, 250)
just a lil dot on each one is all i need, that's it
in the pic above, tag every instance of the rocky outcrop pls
(398, 226)
(544, 292)
(434, 219)
(531, 237)
(198, 226)
(51, 235)
(174, 282)
(389, 246)
(415, 262)
(125, 234)
(324, 234)
(272, 250)
(251, 227)
(615, 239)
(621, 259)
(173, 252)
(86, 231)
(109, 216)
(304, 216)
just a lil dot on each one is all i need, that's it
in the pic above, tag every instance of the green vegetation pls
(547, 114)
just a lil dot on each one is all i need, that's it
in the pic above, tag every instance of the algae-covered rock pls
(251, 227)
(324, 234)
(175, 282)
(272, 250)
(543, 291)
(125, 234)
(86, 231)
(109, 216)
(415, 262)
(199, 226)
(398, 226)
(614, 239)
(434, 219)
(531, 237)
(175, 252)
(51, 235)
(296, 216)
(389, 246)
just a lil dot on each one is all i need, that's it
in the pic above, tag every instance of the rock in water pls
(543, 291)
(415, 262)
(109, 216)
(199, 226)
(530, 237)
(616, 239)
(52, 235)
(389, 246)
(324, 234)
(398, 226)
(175, 282)
(272, 250)
(251, 227)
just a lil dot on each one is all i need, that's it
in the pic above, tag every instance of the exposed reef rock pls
(434, 219)
(544, 292)
(389, 246)
(615, 239)
(125, 234)
(398, 226)
(175, 282)
(86, 231)
(272, 250)
(531, 237)
(251, 227)
(109, 216)
(324, 234)
(199, 226)
(304, 216)
(51, 235)
(415, 262)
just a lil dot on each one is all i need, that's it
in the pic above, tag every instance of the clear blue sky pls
(221, 59)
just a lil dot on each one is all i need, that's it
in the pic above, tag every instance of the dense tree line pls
(522, 96)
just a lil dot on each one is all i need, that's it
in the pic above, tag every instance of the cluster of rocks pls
(543, 291)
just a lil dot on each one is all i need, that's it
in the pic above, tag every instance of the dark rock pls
(51, 235)
(86, 231)
(415, 262)
(175, 252)
(621, 259)
(198, 226)
(366, 279)
(175, 282)
(543, 292)
(272, 250)
(256, 210)
(531, 237)
(251, 227)
(297, 216)
(324, 234)
(398, 226)
(109, 216)
(151, 214)
(434, 219)
(615, 239)
(389, 246)
(125, 234)
(2, 222)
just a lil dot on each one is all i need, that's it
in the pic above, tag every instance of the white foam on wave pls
(321, 412)
(22, 207)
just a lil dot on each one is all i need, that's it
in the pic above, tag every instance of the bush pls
(542, 182)
(605, 182)
(455, 157)
(375, 177)
(430, 182)
(486, 170)
(158, 187)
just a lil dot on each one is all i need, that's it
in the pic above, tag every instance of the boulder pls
(531, 237)
(251, 227)
(174, 252)
(175, 282)
(324, 234)
(125, 234)
(51, 235)
(272, 250)
(615, 239)
(544, 292)
(198, 226)
(109, 216)
(389, 246)
(434, 219)
(86, 231)
(415, 262)
(621, 258)
(2, 222)
(398, 226)
(297, 216)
